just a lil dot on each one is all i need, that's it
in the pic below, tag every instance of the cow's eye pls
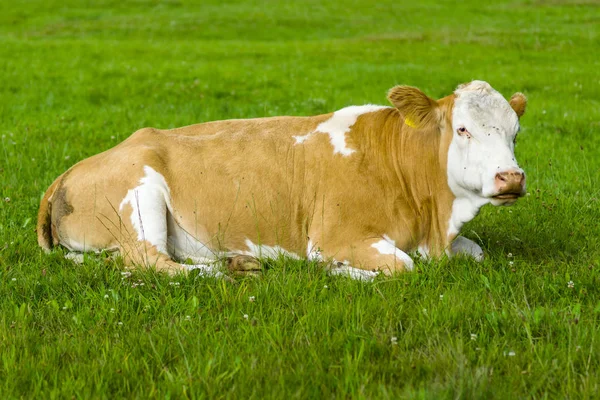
(462, 131)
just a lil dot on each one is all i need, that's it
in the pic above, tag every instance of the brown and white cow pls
(360, 187)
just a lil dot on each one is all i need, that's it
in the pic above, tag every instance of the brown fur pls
(518, 102)
(249, 179)
(44, 223)
(416, 107)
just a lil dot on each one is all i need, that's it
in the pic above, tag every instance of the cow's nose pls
(511, 181)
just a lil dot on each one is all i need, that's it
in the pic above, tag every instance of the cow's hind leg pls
(144, 215)
(150, 253)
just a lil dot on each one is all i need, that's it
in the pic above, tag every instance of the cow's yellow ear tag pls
(410, 122)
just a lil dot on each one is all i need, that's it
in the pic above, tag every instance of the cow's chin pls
(505, 199)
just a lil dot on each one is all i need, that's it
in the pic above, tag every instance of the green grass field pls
(77, 77)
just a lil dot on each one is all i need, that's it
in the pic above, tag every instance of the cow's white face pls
(481, 158)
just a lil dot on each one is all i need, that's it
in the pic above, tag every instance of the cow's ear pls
(416, 107)
(518, 102)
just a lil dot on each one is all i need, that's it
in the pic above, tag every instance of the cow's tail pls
(44, 222)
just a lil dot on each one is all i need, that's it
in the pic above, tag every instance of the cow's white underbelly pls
(182, 245)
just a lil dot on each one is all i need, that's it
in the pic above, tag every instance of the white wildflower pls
(245, 316)
(473, 336)
(251, 299)
(106, 296)
(570, 284)
(188, 318)
(394, 341)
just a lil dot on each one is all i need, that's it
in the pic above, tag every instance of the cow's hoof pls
(244, 265)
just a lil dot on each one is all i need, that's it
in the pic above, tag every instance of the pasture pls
(78, 77)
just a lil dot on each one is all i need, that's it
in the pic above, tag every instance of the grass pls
(79, 77)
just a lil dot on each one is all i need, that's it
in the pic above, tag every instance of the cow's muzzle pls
(510, 185)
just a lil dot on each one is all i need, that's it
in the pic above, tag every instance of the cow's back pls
(238, 183)
(246, 174)
(244, 180)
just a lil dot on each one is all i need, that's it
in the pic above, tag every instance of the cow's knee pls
(462, 245)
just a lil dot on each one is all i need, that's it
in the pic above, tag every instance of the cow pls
(358, 189)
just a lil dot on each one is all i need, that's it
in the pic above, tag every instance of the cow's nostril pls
(501, 177)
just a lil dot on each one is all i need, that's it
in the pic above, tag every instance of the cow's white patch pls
(263, 251)
(77, 258)
(313, 253)
(354, 273)
(302, 139)
(423, 251)
(338, 125)
(182, 245)
(462, 245)
(464, 209)
(208, 270)
(149, 202)
(387, 246)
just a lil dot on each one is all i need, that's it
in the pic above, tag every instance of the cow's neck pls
(411, 164)
(464, 209)
(414, 163)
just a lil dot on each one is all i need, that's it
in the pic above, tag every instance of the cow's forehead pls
(479, 104)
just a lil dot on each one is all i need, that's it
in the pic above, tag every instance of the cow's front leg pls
(365, 259)
(462, 245)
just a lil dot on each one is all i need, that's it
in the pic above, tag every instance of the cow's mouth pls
(507, 196)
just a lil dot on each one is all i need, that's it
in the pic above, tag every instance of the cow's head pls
(481, 158)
